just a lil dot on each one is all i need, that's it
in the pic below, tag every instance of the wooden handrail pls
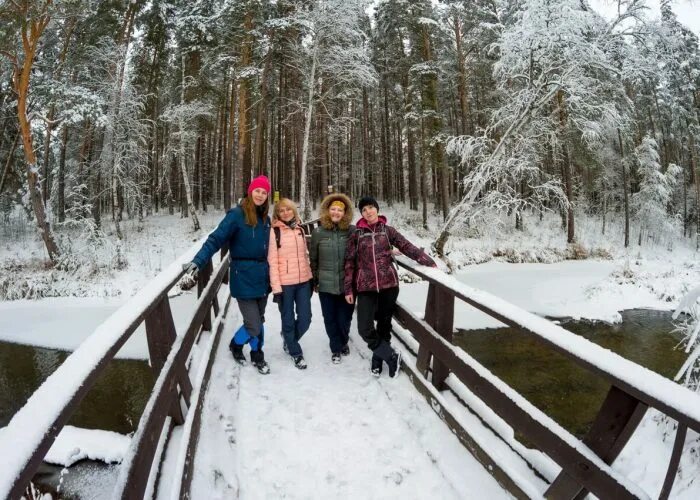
(584, 463)
(135, 470)
(27, 438)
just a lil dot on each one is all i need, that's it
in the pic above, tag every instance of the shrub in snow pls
(689, 325)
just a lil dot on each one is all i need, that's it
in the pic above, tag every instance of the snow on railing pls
(585, 463)
(650, 387)
(29, 435)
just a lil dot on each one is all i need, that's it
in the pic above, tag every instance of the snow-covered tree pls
(651, 202)
(552, 76)
(123, 155)
(331, 57)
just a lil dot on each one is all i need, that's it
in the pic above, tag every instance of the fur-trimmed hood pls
(325, 215)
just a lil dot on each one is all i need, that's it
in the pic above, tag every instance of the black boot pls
(258, 360)
(392, 358)
(237, 351)
(394, 364)
(376, 366)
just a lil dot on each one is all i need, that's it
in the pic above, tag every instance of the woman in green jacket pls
(327, 254)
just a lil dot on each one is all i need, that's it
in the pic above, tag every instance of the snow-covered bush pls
(689, 325)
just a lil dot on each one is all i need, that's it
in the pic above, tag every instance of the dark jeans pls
(293, 328)
(337, 316)
(377, 306)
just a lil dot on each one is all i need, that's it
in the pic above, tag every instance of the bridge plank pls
(188, 471)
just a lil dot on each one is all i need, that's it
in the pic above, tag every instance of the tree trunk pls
(311, 79)
(625, 191)
(465, 116)
(566, 168)
(61, 195)
(694, 168)
(243, 172)
(20, 80)
(183, 157)
(10, 159)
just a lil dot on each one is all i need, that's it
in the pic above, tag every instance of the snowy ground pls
(331, 431)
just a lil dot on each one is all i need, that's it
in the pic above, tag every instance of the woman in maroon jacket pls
(371, 276)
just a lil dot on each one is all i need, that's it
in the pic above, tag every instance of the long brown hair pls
(249, 209)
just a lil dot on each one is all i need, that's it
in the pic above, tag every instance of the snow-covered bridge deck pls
(330, 431)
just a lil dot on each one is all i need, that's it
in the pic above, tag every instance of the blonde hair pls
(285, 202)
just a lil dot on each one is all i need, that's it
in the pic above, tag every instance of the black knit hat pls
(367, 200)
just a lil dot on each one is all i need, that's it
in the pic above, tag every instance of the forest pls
(479, 110)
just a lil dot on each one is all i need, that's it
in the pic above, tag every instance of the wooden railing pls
(585, 464)
(31, 432)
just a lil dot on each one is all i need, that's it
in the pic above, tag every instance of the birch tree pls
(332, 57)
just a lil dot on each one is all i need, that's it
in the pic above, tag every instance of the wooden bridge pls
(191, 410)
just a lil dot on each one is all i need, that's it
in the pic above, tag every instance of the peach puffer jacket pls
(289, 264)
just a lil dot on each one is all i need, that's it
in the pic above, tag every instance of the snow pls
(633, 375)
(26, 429)
(331, 431)
(65, 322)
(74, 444)
(255, 423)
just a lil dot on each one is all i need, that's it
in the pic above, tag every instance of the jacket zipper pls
(374, 261)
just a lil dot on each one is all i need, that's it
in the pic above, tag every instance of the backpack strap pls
(278, 236)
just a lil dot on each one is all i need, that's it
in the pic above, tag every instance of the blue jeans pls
(337, 316)
(294, 328)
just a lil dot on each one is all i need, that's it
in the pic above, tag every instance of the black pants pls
(379, 307)
(337, 316)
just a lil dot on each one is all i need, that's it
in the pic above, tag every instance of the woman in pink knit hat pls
(290, 277)
(245, 231)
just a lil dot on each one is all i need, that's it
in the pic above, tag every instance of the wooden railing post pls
(204, 277)
(160, 334)
(615, 423)
(439, 313)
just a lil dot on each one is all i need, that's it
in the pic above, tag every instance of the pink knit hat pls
(260, 182)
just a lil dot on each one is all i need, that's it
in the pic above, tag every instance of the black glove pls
(277, 298)
(190, 277)
(191, 269)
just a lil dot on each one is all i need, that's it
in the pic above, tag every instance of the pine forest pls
(475, 110)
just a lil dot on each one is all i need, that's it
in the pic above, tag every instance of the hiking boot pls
(394, 364)
(345, 351)
(285, 348)
(335, 358)
(238, 356)
(262, 367)
(300, 363)
(376, 366)
(258, 360)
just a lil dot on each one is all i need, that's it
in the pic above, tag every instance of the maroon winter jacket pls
(368, 257)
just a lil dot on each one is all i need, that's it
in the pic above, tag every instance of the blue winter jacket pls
(247, 245)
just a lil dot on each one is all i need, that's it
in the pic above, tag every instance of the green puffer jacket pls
(327, 247)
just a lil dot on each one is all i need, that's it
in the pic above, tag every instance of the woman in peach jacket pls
(290, 276)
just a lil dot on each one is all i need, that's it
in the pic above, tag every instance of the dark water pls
(114, 403)
(566, 392)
